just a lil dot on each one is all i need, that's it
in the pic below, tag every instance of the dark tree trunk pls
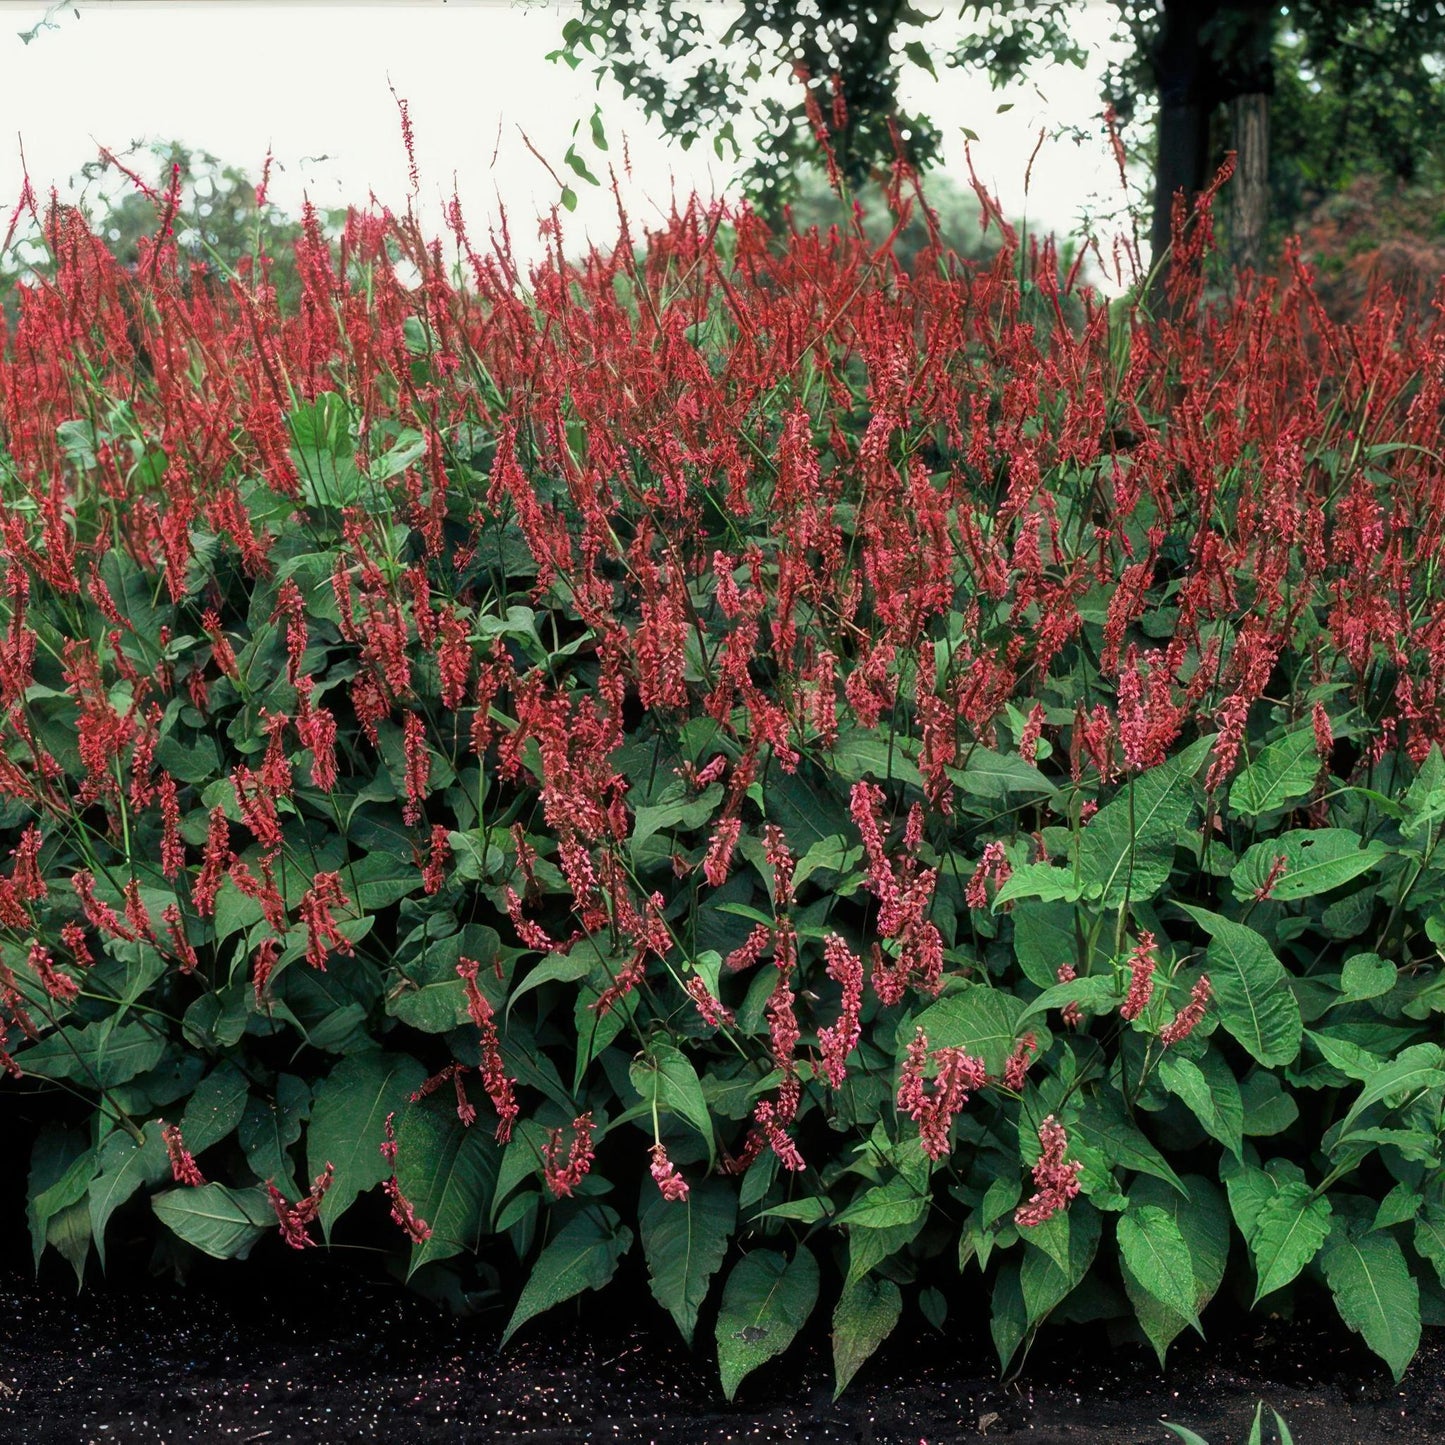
(1249, 212)
(1210, 52)
(1186, 100)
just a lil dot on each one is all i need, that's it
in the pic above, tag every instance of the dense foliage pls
(850, 783)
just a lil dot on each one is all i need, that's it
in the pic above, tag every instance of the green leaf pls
(268, 1129)
(221, 1222)
(124, 1167)
(1104, 1126)
(1430, 1237)
(1127, 849)
(1415, 1069)
(1009, 1320)
(584, 1255)
(980, 1020)
(348, 1122)
(1043, 1282)
(1212, 1098)
(1152, 1251)
(1041, 881)
(885, 1206)
(666, 1076)
(1284, 771)
(215, 1108)
(993, 776)
(917, 52)
(97, 1055)
(827, 855)
(325, 453)
(1203, 1221)
(61, 1168)
(1315, 861)
(766, 1301)
(447, 1170)
(1374, 1293)
(863, 1318)
(1288, 1231)
(1251, 990)
(1367, 975)
(685, 1241)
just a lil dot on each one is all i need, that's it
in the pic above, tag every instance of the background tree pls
(1204, 73)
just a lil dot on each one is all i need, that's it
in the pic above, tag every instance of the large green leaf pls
(1203, 1222)
(993, 776)
(982, 1021)
(584, 1255)
(685, 1241)
(863, 1318)
(221, 1222)
(1430, 1237)
(1047, 1281)
(447, 1171)
(1374, 1292)
(1288, 1231)
(124, 1166)
(1127, 849)
(325, 452)
(766, 1301)
(1251, 989)
(1155, 1256)
(348, 1124)
(1284, 771)
(268, 1129)
(1315, 861)
(96, 1055)
(215, 1108)
(61, 1168)
(1104, 1127)
(1211, 1093)
(665, 1078)
(1420, 1067)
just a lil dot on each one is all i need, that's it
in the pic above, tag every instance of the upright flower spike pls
(1142, 963)
(563, 1177)
(670, 1183)
(1055, 1182)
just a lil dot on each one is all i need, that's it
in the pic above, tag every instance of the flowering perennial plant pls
(826, 777)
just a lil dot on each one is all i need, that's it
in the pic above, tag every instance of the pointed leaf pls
(221, 1222)
(447, 1170)
(766, 1301)
(685, 1241)
(864, 1317)
(1153, 1252)
(1316, 860)
(1288, 1231)
(348, 1122)
(1374, 1293)
(1251, 990)
(584, 1255)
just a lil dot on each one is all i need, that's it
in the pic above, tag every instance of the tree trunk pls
(1249, 216)
(1183, 70)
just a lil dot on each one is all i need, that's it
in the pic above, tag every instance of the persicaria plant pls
(824, 780)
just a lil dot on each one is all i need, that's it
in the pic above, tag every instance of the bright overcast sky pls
(310, 81)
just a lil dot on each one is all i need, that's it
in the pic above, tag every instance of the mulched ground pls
(340, 1357)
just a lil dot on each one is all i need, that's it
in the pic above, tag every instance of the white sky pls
(311, 80)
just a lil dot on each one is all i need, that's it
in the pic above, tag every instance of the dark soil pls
(326, 1354)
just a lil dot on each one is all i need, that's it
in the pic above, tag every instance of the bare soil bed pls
(328, 1353)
